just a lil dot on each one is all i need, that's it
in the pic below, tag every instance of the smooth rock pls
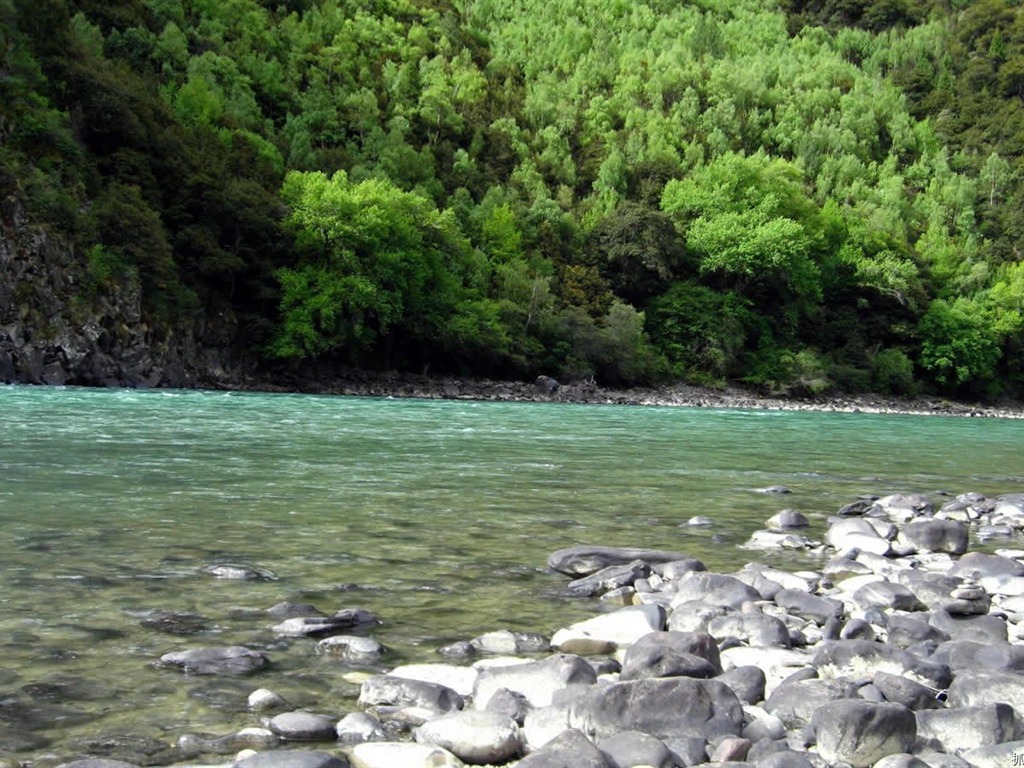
(392, 754)
(229, 660)
(994, 755)
(398, 691)
(537, 681)
(632, 748)
(756, 629)
(978, 565)
(795, 703)
(695, 616)
(861, 733)
(606, 632)
(935, 536)
(474, 736)
(902, 690)
(977, 687)
(238, 572)
(748, 683)
(958, 729)
(569, 749)
(303, 726)
(714, 588)
(672, 654)
(460, 679)
(584, 560)
(265, 700)
(504, 641)
(288, 758)
(509, 703)
(806, 606)
(887, 594)
(662, 707)
(351, 648)
(860, 660)
(787, 520)
(982, 629)
(357, 727)
(612, 577)
(345, 620)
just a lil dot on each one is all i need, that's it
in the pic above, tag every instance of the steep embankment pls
(58, 327)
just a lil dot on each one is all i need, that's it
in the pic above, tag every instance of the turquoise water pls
(436, 515)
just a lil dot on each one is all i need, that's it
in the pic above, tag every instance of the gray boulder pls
(304, 726)
(504, 641)
(807, 606)
(357, 727)
(935, 536)
(755, 629)
(861, 660)
(695, 615)
(288, 758)
(403, 692)
(662, 707)
(970, 689)
(351, 648)
(861, 733)
(345, 620)
(886, 594)
(747, 682)
(584, 560)
(795, 703)
(612, 577)
(787, 520)
(606, 632)
(714, 588)
(474, 736)
(978, 565)
(991, 756)
(961, 728)
(630, 748)
(537, 681)
(981, 629)
(902, 690)
(229, 660)
(672, 654)
(570, 749)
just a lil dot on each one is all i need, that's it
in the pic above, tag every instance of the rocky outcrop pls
(60, 325)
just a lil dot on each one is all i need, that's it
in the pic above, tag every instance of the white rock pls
(776, 663)
(459, 679)
(392, 754)
(474, 736)
(609, 631)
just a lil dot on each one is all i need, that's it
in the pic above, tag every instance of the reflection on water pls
(436, 516)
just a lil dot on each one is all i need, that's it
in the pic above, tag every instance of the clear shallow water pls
(436, 515)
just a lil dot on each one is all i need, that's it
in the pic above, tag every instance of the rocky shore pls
(547, 389)
(899, 648)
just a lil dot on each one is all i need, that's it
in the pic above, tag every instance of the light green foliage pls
(959, 346)
(379, 261)
(748, 220)
(833, 178)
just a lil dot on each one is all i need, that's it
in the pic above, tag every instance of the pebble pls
(900, 652)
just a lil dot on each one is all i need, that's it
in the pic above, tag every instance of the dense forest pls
(802, 196)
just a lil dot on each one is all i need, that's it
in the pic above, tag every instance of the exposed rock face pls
(58, 327)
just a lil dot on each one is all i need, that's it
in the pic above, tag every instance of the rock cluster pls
(901, 650)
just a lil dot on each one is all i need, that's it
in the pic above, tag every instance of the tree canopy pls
(774, 192)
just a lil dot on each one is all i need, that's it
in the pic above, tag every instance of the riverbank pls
(545, 389)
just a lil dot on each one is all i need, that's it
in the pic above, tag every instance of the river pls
(435, 515)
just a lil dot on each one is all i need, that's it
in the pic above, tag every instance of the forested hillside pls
(799, 196)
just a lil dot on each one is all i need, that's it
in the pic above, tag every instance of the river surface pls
(438, 516)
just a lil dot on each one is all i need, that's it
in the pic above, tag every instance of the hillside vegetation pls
(801, 196)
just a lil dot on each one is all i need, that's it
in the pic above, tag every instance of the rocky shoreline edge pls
(900, 649)
(547, 389)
